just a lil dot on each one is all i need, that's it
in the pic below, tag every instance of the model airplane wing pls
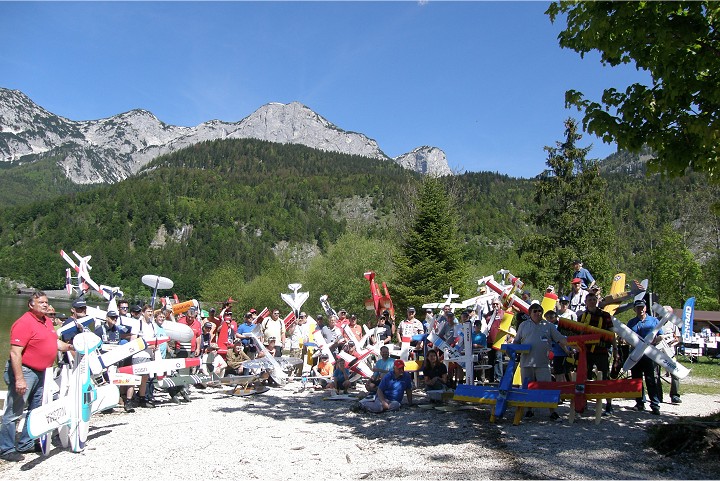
(642, 347)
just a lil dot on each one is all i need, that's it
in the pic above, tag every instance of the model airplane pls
(581, 389)
(279, 368)
(71, 413)
(644, 346)
(160, 366)
(157, 283)
(505, 394)
(295, 299)
(379, 301)
(483, 301)
(447, 302)
(611, 303)
(329, 311)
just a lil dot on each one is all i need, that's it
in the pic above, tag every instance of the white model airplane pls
(79, 399)
(447, 302)
(82, 270)
(644, 346)
(296, 299)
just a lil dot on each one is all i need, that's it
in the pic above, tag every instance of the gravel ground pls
(283, 434)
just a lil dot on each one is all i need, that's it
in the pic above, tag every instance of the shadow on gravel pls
(538, 448)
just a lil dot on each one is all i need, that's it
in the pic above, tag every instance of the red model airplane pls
(379, 302)
(581, 390)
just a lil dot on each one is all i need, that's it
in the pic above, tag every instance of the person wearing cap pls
(342, 319)
(390, 391)
(227, 324)
(78, 310)
(323, 371)
(273, 326)
(579, 272)
(382, 332)
(539, 334)
(243, 332)
(563, 309)
(235, 358)
(109, 330)
(429, 321)
(212, 362)
(577, 295)
(410, 327)
(598, 354)
(33, 348)
(206, 337)
(53, 316)
(354, 327)
(642, 325)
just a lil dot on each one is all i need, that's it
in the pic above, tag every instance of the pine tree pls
(572, 218)
(431, 257)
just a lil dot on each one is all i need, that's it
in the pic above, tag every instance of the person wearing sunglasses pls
(539, 334)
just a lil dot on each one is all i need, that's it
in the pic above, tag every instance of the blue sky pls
(484, 81)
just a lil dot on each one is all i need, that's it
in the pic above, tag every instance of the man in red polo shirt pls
(33, 348)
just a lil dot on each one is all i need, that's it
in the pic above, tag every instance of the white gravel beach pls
(283, 434)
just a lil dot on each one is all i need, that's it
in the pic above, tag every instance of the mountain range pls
(112, 149)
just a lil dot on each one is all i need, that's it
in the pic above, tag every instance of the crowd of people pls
(225, 345)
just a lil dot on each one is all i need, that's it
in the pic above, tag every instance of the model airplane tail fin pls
(68, 281)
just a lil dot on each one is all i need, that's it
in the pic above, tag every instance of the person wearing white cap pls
(642, 325)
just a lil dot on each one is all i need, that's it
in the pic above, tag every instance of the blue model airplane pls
(505, 394)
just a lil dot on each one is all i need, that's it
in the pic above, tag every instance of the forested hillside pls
(246, 209)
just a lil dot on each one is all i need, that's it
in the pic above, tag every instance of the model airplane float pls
(505, 394)
(581, 389)
(645, 347)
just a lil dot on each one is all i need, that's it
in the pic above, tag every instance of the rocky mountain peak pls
(114, 148)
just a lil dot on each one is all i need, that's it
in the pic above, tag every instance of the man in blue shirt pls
(243, 332)
(391, 389)
(579, 272)
(642, 325)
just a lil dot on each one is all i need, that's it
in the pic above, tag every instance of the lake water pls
(11, 308)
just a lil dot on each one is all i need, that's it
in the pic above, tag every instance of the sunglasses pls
(51, 314)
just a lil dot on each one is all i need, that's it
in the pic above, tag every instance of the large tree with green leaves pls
(678, 44)
(572, 217)
(431, 257)
(675, 274)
